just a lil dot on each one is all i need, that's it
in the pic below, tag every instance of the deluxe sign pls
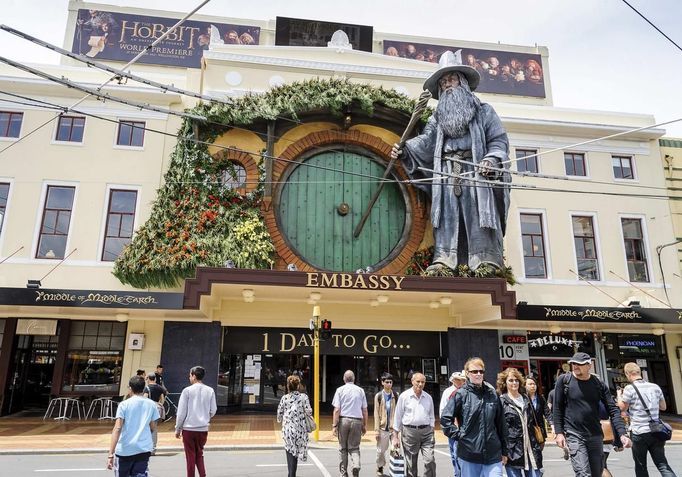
(342, 342)
(358, 281)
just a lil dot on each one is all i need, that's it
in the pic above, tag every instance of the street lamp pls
(316, 374)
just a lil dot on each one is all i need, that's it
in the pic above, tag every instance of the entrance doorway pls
(547, 371)
(31, 373)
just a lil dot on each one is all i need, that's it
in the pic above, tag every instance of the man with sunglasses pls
(576, 417)
(475, 419)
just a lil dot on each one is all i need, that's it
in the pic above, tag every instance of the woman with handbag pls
(523, 433)
(292, 412)
(539, 407)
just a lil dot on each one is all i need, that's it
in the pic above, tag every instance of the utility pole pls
(315, 324)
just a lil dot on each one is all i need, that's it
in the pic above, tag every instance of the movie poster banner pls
(120, 37)
(502, 72)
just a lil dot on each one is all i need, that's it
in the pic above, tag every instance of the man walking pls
(157, 394)
(384, 410)
(643, 441)
(576, 417)
(414, 420)
(131, 440)
(349, 423)
(196, 408)
(457, 379)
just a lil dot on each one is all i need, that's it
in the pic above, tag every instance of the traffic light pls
(325, 330)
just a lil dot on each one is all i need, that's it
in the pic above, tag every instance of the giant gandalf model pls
(464, 140)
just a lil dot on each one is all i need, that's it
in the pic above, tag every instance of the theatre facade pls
(237, 241)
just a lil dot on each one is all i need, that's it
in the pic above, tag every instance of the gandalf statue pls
(465, 140)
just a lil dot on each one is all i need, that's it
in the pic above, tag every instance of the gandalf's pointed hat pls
(448, 62)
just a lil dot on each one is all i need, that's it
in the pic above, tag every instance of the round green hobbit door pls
(321, 200)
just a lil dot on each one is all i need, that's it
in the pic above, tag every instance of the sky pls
(602, 55)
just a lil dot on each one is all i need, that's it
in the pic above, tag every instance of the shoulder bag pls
(310, 424)
(537, 430)
(659, 429)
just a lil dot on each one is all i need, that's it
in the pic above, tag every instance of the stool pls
(107, 408)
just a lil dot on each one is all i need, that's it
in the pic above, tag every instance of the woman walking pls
(525, 454)
(541, 413)
(291, 412)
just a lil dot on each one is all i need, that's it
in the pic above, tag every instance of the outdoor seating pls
(64, 408)
(107, 408)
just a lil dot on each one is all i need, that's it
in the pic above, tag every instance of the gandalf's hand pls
(485, 168)
(396, 151)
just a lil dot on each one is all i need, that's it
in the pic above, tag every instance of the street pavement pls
(322, 462)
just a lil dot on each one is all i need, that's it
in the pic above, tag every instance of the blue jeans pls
(453, 456)
(516, 472)
(647, 443)
(472, 469)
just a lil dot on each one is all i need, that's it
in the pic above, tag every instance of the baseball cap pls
(457, 375)
(580, 358)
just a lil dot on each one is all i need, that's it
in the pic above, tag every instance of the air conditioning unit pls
(136, 341)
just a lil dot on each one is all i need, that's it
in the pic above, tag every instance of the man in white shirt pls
(349, 422)
(643, 440)
(414, 421)
(457, 379)
(196, 408)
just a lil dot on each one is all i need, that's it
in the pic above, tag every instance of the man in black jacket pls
(480, 427)
(576, 417)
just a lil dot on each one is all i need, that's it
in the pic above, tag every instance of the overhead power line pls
(130, 63)
(651, 23)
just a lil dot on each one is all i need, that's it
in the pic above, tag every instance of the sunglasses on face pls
(476, 371)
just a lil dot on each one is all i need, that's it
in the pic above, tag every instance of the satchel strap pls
(646, 408)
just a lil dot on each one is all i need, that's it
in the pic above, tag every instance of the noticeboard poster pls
(117, 36)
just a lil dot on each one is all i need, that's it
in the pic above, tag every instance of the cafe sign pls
(342, 342)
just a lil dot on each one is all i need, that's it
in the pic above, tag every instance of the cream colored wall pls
(672, 170)
(146, 358)
(673, 343)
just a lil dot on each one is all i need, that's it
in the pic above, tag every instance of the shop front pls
(255, 363)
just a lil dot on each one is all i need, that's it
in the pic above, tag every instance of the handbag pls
(396, 464)
(310, 424)
(659, 429)
(539, 436)
(607, 430)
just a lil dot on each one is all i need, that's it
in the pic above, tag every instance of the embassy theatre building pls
(256, 219)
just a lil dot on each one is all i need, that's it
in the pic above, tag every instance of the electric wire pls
(651, 23)
(130, 63)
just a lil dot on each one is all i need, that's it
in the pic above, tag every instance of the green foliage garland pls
(195, 221)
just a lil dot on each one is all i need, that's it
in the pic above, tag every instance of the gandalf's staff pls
(416, 114)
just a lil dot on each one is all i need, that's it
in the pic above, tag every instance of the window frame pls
(3, 220)
(41, 214)
(629, 157)
(55, 138)
(21, 124)
(105, 217)
(545, 244)
(645, 246)
(527, 151)
(117, 134)
(576, 153)
(597, 245)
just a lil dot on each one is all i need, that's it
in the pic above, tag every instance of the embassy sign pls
(558, 313)
(90, 298)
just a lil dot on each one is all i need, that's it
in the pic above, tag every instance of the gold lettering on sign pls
(288, 342)
(370, 348)
(359, 281)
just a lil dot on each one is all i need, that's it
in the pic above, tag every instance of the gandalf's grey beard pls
(456, 108)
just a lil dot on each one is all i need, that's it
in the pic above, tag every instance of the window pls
(575, 164)
(70, 129)
(4, 194)
(94, 357)
(10, 124)
(529, 164)
(635, 252)
(130, 133)
(54, 228)
(120, 219)
(585, 248)
(622, 167)
(234, 177)
(533, 246)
